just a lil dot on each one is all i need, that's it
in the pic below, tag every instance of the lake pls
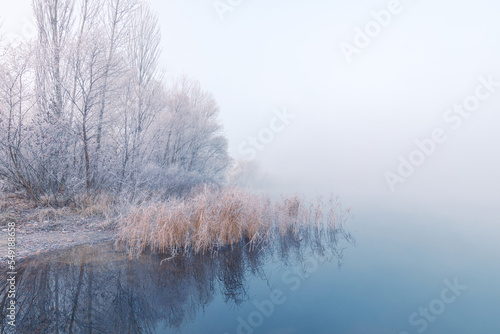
(384, 272)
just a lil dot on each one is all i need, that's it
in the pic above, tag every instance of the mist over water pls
(353, 121)
(355, 114)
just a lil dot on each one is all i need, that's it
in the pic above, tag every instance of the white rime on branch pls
(85, 108)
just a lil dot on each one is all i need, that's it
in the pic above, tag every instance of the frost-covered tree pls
(84, 108)
(16, 127)
(192, 145)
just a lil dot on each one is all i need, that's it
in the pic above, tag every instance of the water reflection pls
(100, 290)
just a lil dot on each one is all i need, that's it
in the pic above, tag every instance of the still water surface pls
(400, 274)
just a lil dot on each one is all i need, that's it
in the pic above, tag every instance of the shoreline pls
(39, 230)
(40, 237)
(45, 242)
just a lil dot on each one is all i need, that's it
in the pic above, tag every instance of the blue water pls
(405, 273)
(399, 267)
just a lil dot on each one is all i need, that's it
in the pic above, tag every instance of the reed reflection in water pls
(99, 289)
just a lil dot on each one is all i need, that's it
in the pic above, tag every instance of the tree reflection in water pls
(99, 289)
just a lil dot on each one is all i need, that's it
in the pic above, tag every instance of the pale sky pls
(352, 120)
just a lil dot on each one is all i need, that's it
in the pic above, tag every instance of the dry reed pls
(217, 218)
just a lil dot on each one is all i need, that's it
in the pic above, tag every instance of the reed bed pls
(214, 219)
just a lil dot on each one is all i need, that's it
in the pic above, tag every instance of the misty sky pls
(352, 120)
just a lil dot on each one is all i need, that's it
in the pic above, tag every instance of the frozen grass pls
(214, 219)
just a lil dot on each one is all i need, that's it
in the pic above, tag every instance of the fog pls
(354, 116)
